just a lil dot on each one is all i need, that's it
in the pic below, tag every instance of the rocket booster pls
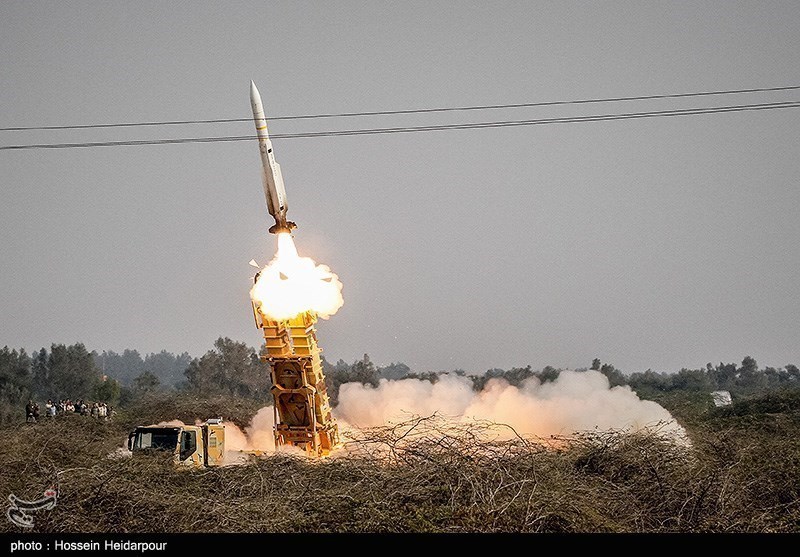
(271, 170)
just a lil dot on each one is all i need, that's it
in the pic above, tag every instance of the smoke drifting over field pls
(575, 401)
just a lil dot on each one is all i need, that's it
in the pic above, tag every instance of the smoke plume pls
(575, 401)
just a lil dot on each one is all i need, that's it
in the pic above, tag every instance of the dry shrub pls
(158, 407)
(424, 475)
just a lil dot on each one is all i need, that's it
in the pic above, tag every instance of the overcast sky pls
(655, 243)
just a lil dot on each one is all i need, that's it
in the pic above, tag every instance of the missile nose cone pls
(254, 92)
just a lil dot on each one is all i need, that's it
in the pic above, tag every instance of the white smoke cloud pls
(575, 401)
(260, 431)
(258, 436)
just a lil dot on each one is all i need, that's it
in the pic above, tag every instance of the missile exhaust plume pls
(573, 403)
(290, 285)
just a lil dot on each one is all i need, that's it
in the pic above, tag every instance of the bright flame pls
(290, 285)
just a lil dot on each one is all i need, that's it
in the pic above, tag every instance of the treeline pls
(60, 373)
(234, 368)
(740, 380)
(168, 368)
(230, 368)
(72, 372)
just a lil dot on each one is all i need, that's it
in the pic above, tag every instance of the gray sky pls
(657, 243)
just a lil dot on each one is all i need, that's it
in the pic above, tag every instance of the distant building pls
(721, 398)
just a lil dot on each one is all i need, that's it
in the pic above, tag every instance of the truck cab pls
(195, 446)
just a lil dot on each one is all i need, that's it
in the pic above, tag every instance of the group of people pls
(52, 409)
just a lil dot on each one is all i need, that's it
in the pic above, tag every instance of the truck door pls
(188, 449)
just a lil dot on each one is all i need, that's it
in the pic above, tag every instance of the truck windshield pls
(162, 439)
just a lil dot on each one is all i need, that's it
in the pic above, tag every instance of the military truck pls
(196, 446)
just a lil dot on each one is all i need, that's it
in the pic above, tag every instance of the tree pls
(548, 373)
(774, 377)
(749, 366)
(748, 375)
(242, 370)
(649, 382)
(692, 380)
(615, 377)
(146, 382)
(364, 371)
(360, 371)
(15, 384)
(41, 375)
(167, 367)
(394, 371)
(71, 372)
(595, 364)
(516, 375)
(232, 367)
(203, 375)
(107, 390)
(123, 367)
(725, 375)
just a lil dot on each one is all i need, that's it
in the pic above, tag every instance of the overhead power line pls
(411, 129)
(412, 111)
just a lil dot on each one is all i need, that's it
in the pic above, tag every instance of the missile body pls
(271, 170)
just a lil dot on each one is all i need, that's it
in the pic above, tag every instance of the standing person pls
(51, 409)
(95, 410)
(29, 418)
(35, 411)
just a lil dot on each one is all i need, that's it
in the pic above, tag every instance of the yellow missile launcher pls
(302, 409)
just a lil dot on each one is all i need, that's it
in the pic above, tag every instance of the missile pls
(271, 170)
